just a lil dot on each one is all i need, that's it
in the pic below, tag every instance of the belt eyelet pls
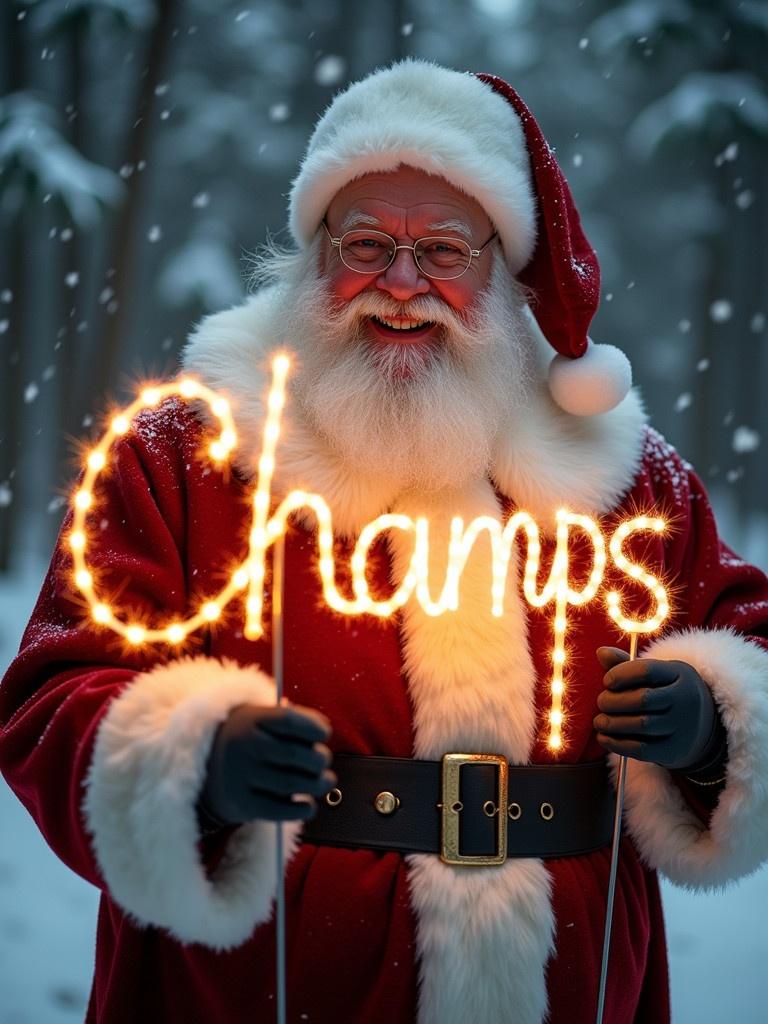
(547, 811)
(515, 811)
(333, 797)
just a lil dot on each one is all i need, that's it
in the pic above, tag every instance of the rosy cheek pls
(456, 295)
(346, 285)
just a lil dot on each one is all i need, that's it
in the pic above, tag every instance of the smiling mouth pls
(402, 329)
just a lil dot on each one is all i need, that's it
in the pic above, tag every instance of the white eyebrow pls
(452, 225)
(358, 217)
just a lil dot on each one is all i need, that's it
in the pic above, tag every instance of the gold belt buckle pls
(452, 808)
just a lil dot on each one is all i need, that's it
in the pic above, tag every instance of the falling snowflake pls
(201, 200)
(162, 89)
(242, 15)
(702, 365)
(745, 199)
(6, 295)
(407, 28)
(49, 372)
(684, 326)
(56, 503)
(721, 311)
(164, 115)
(6, 495)
(734, 474)
(155, 233)
(578, 159)
(279, 112)
(583, 43)
(106, 294)
(4, 325)
(31, 391)
(66, 235)
(757, 323)
(683, 402)
(729, 154)
(745, 440)
(126, 171)
(72, 279)
(87, 420)
(330, 70)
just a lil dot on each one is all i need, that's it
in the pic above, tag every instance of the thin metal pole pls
(614, 864)
(278, 563)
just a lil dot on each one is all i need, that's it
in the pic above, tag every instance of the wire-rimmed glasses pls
(367, 251)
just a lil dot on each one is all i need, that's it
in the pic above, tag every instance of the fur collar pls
(545, 458)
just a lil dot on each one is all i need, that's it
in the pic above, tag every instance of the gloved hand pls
(260, 758)
(659, 711)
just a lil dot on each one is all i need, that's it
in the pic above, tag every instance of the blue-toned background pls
(146, 148)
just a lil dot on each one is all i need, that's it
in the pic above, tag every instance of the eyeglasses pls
(371, 252)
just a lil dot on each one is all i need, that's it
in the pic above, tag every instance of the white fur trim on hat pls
(592, 384)
(146, 775)
(441, 121)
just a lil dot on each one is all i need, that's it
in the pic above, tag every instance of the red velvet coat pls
(183, 932)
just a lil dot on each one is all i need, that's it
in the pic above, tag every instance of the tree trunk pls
(69, 362)
(108, 330)
(12, 339)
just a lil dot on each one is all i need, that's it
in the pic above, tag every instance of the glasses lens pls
(367, 252)
(443, 258)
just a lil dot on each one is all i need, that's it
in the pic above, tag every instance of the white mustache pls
(421, 308)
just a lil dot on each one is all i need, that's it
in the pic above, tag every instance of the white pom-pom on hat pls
(592, 384)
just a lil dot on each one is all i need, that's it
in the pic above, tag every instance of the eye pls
(369, 243)
(442, 249)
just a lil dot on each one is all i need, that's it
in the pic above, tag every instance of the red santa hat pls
(476, 132)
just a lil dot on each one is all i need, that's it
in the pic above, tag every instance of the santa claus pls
(437, 300)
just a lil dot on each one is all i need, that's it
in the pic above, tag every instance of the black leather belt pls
(469, 808)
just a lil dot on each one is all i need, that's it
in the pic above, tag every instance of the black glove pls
(659, 711)
(260, 758)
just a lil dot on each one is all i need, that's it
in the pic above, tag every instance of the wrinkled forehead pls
(403, 199)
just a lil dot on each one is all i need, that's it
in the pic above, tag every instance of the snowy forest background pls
(146, 148)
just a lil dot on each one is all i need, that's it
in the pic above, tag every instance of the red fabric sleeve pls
(712, 587)
(58, 688)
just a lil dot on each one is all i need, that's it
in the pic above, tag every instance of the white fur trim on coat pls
(146, 775)
(418, 113)
(668, 834)
(483, 934)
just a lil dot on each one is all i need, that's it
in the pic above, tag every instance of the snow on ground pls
(718, 943)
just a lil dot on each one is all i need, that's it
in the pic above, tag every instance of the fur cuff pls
(668, 834)
(147, 771)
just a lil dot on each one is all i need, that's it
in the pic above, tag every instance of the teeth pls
(404, 326)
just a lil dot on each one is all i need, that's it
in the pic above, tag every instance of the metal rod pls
(614, 864)
(278, 563)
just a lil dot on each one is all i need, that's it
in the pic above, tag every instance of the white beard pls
(413, 416)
